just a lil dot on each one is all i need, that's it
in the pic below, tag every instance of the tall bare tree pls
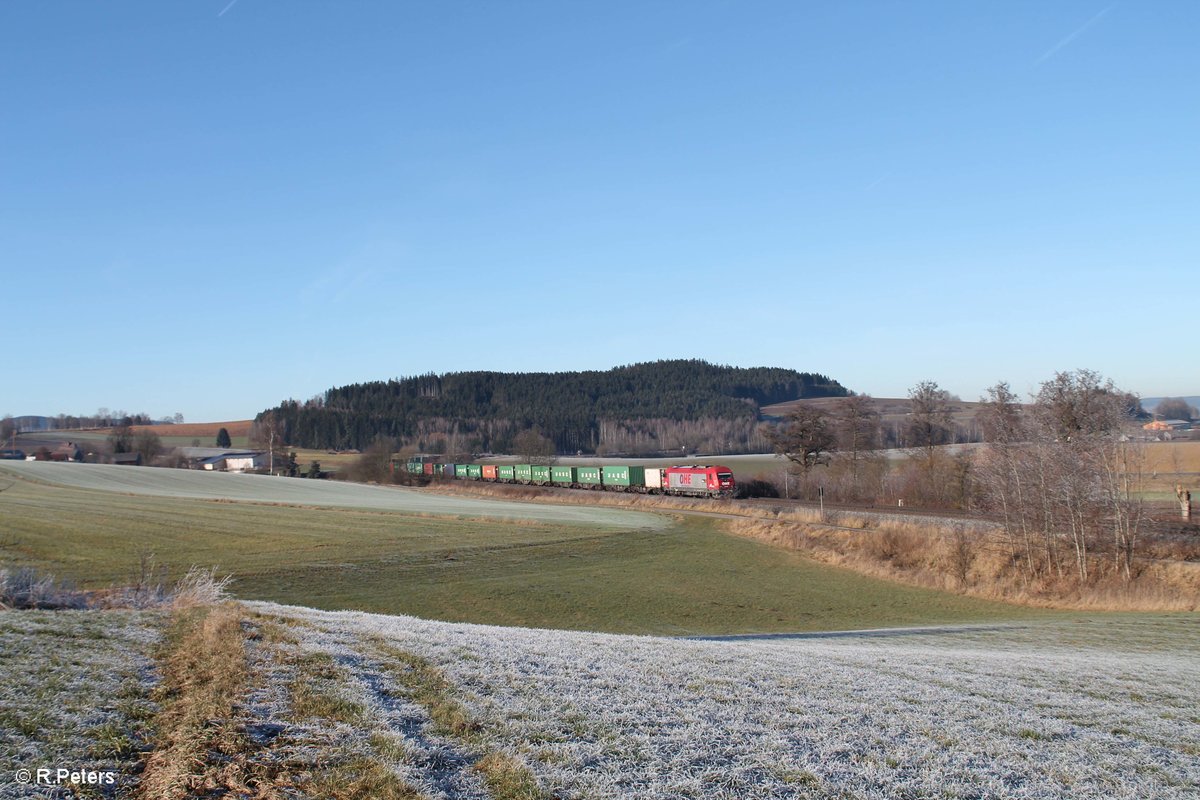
(806, 437)
(267, 433)
(929, 426)
(857, 425)
(929, 420)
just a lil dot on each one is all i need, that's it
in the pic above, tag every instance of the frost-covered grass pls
(1103, 708)
(73, 693)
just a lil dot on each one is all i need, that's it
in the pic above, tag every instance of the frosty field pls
(202, 485)
(1071, 709)
(1089, 707)
(74, 691)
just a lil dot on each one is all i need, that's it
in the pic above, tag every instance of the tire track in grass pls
(446, 753)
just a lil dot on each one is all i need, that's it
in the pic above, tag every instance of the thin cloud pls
(226, 8)
(1072, 36)
(877, 181)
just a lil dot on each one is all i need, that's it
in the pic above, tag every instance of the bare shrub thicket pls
(1064, 481)
(932, 479)
(374, 465)
(27, 588)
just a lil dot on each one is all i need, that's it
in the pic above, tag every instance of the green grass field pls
(684, 577)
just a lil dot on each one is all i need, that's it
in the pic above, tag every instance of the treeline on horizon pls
(654, 407)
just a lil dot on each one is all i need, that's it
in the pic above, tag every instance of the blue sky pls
(208, 207)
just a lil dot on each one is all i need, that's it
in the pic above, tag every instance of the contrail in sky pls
(226, 8)
(1075, 34)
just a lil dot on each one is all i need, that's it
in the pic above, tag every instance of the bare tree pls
(148, 445)
(929, 426)
(533, 447)
(857, 424)
(121, 437)
(267, 433)
(1003, 473)
(375, 463)
(806, 437)
(929, 421)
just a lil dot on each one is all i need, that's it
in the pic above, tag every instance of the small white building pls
(235, 462)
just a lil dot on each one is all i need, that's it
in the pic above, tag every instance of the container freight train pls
(696, 481)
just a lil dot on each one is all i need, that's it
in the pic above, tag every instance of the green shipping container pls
(588, 476)
(475, 471)
(625, 476)
(506, 473)
(562, 475)
(415, 467)
(540, 474)
(523, 473)
(461, 471)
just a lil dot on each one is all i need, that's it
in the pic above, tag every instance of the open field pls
(658, 576)
(355, 705)
(1173, 457)
(205, 485)
(1068, 709)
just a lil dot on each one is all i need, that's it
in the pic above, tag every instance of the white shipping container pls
(654, 476)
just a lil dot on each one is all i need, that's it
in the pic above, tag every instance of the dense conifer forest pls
(659, 407)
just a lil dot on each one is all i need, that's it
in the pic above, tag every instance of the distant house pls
(1159, 425)
(67, 451)
(127, 459)
(234, 462)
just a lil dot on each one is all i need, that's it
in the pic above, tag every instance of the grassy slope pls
(690, 579)
(687, 578)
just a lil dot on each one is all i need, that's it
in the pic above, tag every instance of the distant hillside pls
(656, 407)
(31, 422)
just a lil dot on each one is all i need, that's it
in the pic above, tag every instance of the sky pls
(209, 207)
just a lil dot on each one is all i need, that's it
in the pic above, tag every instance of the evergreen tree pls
(223, 439)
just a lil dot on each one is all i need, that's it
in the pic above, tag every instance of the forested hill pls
(660, 406)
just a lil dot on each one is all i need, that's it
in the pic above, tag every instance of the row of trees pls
(1062, 476)
(103, 418)
(124, 439)
(1058, 471)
